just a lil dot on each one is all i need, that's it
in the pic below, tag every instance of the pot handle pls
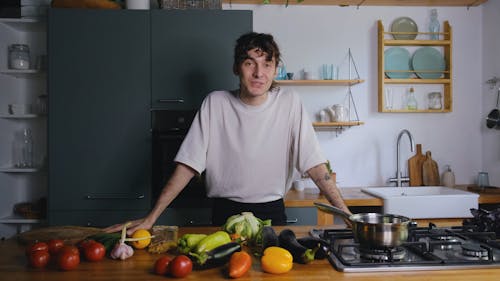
(332, 210)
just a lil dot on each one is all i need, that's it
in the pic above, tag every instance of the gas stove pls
(427, 248)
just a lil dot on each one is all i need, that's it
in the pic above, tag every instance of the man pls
(250, 142)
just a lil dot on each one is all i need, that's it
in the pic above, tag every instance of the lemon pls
(142, 243)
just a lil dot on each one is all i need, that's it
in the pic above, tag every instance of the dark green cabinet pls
(99, 101)
(192, 54)
(107, 70)
(301, 215)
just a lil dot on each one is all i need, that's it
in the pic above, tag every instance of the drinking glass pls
(327, 71)
(389, 98)
(482, 179)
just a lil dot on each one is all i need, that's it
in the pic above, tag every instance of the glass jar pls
(435, 100)
(19, 56)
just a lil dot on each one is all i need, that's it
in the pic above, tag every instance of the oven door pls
(169, 130)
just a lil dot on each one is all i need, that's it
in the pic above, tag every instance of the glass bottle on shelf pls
(434, 25)
(24, 153)
(411, 101)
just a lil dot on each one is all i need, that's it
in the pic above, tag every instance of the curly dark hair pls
(250, 41)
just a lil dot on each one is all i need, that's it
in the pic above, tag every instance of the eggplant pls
(301, 254)
(313, 243)
(269, 237)
(216, 257)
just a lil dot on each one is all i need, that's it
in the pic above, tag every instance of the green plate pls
(397, 58)
(429, 59)
(404, 24)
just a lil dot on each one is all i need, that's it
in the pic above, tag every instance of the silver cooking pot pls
(373, 230)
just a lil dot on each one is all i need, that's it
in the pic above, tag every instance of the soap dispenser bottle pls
(448, 177)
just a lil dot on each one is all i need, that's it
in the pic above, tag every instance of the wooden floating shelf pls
(319, 82)
(361, 3)
(337, 124)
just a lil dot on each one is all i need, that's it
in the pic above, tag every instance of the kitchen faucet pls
(399, 179)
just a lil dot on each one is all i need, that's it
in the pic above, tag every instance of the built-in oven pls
(169, 127)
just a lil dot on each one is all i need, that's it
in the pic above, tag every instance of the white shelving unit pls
(21, 87)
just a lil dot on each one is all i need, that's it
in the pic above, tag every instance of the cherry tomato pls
(70, 249)
(161, 265)
(39, 259)
(55, 245)
(67, 260)
(37, 246)
(94, 251)
(181, 266)
(82, 245)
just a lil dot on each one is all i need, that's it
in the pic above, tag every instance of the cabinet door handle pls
(295, 220)
(171, 100)
(113, 196)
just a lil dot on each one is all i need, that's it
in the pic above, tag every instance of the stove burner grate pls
(474, 250)
(387, 254)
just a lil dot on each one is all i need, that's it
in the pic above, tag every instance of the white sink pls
(422, 202)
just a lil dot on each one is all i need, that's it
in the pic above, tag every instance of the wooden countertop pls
(353, 196)
(138, 268)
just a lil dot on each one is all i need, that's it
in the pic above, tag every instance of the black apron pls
(224, 208)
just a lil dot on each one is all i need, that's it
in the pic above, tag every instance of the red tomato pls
(94, 251)
(37, 246)
(55, 245)
(161, 265)
(82, 245)
(181, 266)
(67, 260)
(39, 259)
(70, 249)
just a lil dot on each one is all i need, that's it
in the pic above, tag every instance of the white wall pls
(366, 155)
(491, 67)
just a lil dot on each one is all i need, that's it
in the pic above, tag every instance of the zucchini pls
(301, 254)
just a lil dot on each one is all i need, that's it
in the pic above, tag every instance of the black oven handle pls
(181, 100)
(113, 196)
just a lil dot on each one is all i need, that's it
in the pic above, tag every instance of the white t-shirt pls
(250, 153)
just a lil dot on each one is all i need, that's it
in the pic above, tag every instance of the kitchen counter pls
(13, 267)
(354, 197)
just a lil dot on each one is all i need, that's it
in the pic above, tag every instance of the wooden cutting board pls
(415, 164)
(430, 171)
(69, 234)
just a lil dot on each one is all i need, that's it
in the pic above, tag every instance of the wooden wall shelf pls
(445, 81)
(319, 82)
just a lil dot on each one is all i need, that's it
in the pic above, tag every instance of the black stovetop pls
(427, 248)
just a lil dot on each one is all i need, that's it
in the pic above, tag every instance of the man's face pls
(256, 76)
